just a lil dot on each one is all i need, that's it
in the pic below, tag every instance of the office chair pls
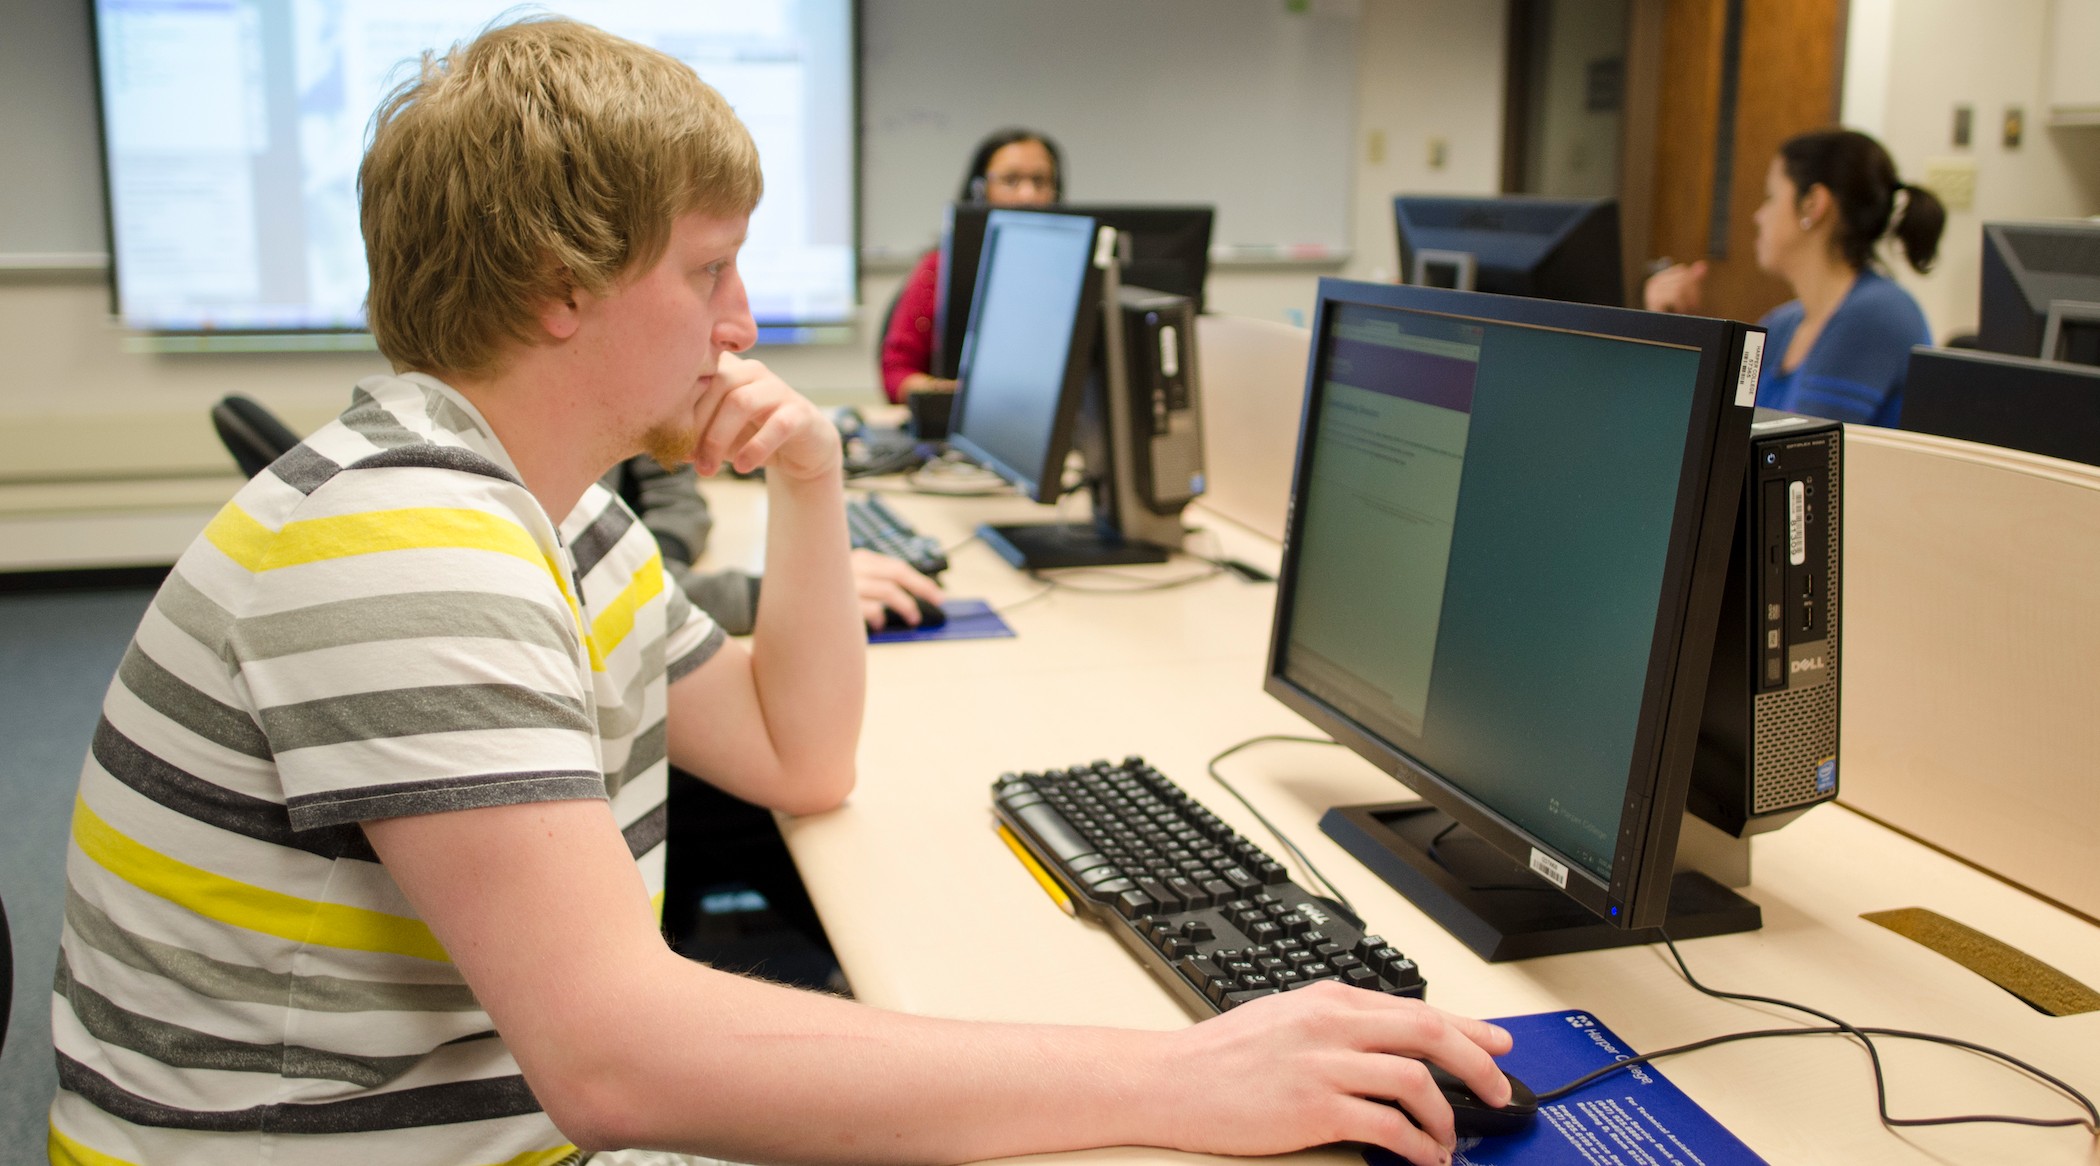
(251, 433)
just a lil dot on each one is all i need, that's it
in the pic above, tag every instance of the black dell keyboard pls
(873, 525)
(1209, 912)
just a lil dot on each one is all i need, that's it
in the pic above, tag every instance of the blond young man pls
(364, 854)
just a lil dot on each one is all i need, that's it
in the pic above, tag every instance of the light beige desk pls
(929, 913)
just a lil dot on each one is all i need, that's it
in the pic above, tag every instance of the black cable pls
(1864, 1035)
(1212, 765)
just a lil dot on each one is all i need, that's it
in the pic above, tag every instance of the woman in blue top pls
(1840, 348)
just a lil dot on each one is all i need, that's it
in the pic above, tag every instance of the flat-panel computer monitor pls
(1511, 522)
(2040, 406)
(1169, 251)
(1060, 359)
(2032, 271)
(1516, 245)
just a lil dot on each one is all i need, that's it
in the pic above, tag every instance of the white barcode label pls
(1547, 868)
(1753, 367)
(1796, 523)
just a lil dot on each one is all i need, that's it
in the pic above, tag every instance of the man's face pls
(657, 337)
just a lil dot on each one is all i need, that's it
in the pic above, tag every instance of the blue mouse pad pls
(1635, 1117)
(968, 619)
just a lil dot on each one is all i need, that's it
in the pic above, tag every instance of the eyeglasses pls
(1019, 180)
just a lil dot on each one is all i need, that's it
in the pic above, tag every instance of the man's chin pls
(670, 447)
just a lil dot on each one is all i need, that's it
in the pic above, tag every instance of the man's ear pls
(561, 315)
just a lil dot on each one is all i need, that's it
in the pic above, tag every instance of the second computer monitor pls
(1169, 252)
(1515, 245)
(1030, 348)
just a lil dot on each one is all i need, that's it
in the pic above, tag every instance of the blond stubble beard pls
(670, 444)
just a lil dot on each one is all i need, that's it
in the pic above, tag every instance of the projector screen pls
(232, 132)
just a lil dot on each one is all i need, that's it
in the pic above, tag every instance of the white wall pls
(1908, 63)
(91, 428)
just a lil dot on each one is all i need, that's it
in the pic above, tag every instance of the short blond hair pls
(545, 155)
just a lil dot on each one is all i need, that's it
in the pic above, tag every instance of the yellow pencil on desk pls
(1035, 869)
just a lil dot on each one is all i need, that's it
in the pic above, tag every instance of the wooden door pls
(1736, 78)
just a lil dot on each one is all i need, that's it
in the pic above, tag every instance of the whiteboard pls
(1248, 104)
(51, 201)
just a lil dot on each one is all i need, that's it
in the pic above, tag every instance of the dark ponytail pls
(1862, 182)
(1918, 225)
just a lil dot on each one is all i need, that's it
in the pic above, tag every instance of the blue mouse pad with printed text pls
(968, 619)
(1635, 1117)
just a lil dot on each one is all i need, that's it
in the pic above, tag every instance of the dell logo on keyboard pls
(1319, 918)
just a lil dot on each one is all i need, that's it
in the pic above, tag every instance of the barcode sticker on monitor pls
(1546, 868)
(1753, 366)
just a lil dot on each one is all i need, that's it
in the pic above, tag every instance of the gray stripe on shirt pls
(370, 420)
(220, 980)
(442, 795)
(199, 617)
(304, 469)
(411, 712)
(176, 789)
(485, 1099)
(405, 615)
(174, 698)
(187, 1048)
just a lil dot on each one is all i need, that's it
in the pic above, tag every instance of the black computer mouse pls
(930, 616)
(1474, 1118)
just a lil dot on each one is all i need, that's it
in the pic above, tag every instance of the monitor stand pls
(1496, 906)
(1048, 546)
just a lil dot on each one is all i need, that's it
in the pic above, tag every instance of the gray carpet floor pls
(57, 654)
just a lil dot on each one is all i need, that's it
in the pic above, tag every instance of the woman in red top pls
(1011, 168)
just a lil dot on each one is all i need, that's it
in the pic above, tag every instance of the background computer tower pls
(1768, 743)
(1165, 417)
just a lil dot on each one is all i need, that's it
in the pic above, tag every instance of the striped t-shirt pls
(384, 622)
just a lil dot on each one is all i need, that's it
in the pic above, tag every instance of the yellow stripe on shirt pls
(245, 905)
(540, 1157)
(611, 626)
(64, 1151)
(239, 536)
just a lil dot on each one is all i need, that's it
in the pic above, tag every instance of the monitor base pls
(1051, 545)
(1497, 907)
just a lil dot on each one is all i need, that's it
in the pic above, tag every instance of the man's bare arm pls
(779, 724)
(624, 1043)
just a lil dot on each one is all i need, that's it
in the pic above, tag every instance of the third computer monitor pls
(2033, 272)
(1515, 245)
(1169, 252)
(1510, 530)
(2015, 402)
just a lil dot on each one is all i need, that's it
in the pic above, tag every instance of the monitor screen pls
(2028, 268)
(1169, 252)
(1549, 248)
(1503, 571)
(1029, 349)
(233, 130)
(2015, 402)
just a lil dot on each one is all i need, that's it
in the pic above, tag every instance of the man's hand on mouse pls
(1300, 1068)
(887, 584)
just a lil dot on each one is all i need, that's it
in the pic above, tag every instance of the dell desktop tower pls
(1768, 743)
(1165, 418)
